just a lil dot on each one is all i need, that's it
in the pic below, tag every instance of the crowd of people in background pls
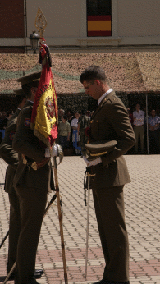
(75, 125)
(72, 125)
(71, 130)
(4, 117)
(139, 122)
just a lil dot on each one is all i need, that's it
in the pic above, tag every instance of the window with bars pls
(99, 18)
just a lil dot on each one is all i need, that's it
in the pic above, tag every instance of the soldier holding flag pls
(36, 131)
(31, 185)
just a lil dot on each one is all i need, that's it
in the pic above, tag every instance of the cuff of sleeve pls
(94, 162)
(109, 158)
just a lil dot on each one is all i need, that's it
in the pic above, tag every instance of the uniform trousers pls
(14, 228)
(110, 213)
(63, 142)
(32, 205)
(139, 134)
(154, 144)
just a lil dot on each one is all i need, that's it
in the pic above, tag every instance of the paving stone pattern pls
(142, 199)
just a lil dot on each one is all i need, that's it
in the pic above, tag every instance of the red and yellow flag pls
(99, 26)
(44, 114)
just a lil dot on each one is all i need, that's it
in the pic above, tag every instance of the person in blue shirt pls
(153, 125)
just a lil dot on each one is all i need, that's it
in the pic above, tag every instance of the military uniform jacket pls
(7, 153)
(25, 142)
(111, 122)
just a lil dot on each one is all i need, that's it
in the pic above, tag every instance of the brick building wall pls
(12, 24)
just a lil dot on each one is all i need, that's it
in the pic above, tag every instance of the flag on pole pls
(44, 115)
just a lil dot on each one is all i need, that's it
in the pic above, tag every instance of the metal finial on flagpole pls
(40, 22)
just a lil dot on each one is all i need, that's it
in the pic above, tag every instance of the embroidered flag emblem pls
(27, 122)
(11, 135)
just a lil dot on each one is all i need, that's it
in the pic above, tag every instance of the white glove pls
(57, 152)
(47, 153)
(92, 163)
(54, 152)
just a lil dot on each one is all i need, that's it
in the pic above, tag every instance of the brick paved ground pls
(142, 199)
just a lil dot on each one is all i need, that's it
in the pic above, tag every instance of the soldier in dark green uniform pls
(11, 158)
(109, 122)
(31, 183)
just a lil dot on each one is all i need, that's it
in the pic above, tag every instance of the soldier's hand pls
(94, 162)
(43, 163)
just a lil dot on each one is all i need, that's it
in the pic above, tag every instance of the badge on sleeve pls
(11, 135)
(27, 122)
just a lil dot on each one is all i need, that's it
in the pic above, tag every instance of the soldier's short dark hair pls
(20, 98)
(20, 95)
(27, 88)
(93, 73)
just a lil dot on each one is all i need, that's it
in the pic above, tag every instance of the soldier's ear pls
(34, 90)
(97, 82)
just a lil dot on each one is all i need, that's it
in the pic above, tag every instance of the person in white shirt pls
(138, 122)
(75, 136)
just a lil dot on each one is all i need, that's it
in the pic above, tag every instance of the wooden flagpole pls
(60, 220)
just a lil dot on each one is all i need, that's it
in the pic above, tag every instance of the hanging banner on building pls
(99, 26)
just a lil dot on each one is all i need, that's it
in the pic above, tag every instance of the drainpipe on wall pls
(147, 123)
(25, 25)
